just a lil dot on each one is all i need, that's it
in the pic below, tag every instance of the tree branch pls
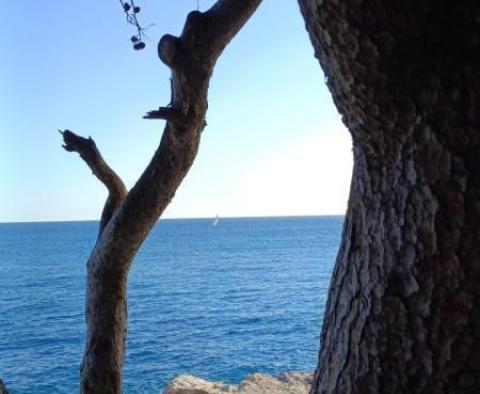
(227, 17)
(191, 58)
(89, 152)
(166, 113)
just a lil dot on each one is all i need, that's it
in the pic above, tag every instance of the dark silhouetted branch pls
(191, 58)
(167, 113)
(89, 152)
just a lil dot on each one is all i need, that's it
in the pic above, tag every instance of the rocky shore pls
(257, 383)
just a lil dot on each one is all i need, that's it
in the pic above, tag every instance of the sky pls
(274, 145)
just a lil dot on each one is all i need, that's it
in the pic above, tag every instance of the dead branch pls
(191, 58)
(88, 151)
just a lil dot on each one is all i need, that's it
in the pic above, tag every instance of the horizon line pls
(184, 218)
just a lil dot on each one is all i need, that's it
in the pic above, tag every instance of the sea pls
(219, 302)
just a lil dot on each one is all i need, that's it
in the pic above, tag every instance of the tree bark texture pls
(403, 313)
(128, 217)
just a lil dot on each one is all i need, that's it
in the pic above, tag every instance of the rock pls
(257, 383)
(3, 388)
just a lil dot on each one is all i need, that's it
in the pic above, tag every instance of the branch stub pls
(168, 49)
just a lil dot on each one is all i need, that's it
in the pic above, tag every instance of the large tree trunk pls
(403, 314)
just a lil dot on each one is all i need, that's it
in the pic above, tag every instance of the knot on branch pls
(193, 28)
(169, 50)
(193, 18)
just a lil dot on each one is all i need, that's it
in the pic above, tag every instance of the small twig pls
(131, 10)
(169, 114)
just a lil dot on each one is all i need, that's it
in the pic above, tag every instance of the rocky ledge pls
(257, 383)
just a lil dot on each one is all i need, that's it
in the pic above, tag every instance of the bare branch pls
(167, 113)
(227, 17)
(88, 151)
(191, 57)
(131, 11)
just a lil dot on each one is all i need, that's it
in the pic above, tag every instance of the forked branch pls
(88, 151)
(191, 57)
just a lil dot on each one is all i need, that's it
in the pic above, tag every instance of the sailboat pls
(215, 222)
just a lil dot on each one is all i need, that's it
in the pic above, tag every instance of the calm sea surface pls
(219, 302)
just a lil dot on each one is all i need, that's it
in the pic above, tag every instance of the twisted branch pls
(88, 151)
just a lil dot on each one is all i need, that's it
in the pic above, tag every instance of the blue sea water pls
(218, 302)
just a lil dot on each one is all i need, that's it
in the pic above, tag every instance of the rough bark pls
(403, 310)
(191, 58)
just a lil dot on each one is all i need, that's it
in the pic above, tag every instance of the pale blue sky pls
(274, 144)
